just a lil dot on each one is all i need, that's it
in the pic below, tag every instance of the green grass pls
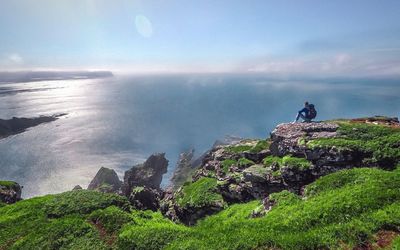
(150, 231)
(287, 161)
(57, 221)
(243, 162)
(284, 198)
(260, 146)
(8, 184)
(295, 162)
(346, 213)
(380, 142)
(199, 193)
(238, 148)
(340, 210)
(111, 218)
(226, 164)
(82, 202)
(269, 160)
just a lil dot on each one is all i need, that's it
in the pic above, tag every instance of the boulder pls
(106, 181)
(10, 192)
(77, 187)
(149, 174)
(187, 214)
(289, 138)
(145, 198)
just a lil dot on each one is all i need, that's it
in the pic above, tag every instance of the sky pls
(280, 38)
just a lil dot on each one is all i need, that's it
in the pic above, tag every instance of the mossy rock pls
(256, 173)
(287, 161)
(200, 193)
(378, 142)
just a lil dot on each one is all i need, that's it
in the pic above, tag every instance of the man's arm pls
(303, 110)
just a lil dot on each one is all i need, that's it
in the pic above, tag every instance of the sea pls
(117, 122)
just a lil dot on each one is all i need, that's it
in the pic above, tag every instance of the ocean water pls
(118, 122)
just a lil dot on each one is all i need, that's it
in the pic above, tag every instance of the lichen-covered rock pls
(106, 181)
(145, 198)
(149, 174)
(289, 138)
(10, 192)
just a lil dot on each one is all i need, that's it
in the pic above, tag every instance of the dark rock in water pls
(10, 192)
(77, 187)
(106, 181)
(19, 125)
(183, 170)
(145, 198)
(149, 174)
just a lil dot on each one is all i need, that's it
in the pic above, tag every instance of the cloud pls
(15, 59)
(337, 65)
(11, 61)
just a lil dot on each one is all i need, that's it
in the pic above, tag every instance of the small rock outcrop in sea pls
(10, 192)
(106, 181)
(149, 174)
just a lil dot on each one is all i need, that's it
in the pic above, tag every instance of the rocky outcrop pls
(149, 174)
(192, 202)
(18, 125)
(145, 198)
(295, 155)
(106, 181)
(183, 170)
(141, 183)
(10, 192)
(290, 138)
(77, 187)
(225, 164)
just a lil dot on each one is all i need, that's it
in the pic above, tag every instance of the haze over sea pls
(118, 122)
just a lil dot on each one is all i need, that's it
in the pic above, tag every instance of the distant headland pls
(30, 76)
(18, 125)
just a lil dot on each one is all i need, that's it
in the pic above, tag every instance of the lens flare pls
(143, 26)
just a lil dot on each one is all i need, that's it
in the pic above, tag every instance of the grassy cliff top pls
(342, 210)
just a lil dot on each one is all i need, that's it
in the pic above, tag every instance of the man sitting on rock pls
(307, 113)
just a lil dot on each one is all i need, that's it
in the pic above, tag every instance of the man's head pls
(305, 104)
